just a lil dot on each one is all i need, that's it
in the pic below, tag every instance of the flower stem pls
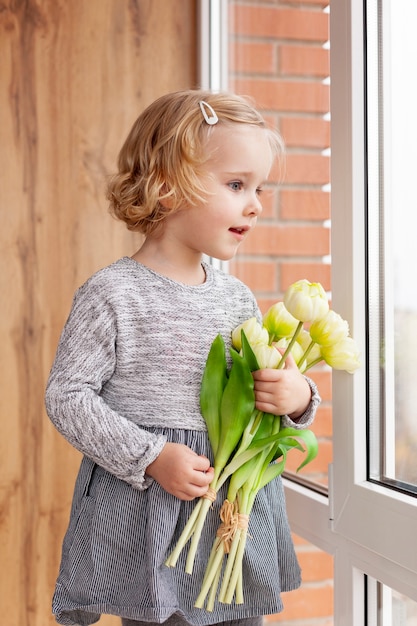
(206, 504)
(237, 567)
(213, 591)
(290, 345)
(185, 535)
(210, 579)
(310, 365)
(239, 588)
(231, 557)
(215, 547)
(306, 353)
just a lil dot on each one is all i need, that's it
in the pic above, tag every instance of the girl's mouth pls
(238, 232)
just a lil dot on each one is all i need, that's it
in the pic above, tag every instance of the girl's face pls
(239, 165)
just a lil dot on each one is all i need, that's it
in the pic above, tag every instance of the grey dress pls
(125, 380)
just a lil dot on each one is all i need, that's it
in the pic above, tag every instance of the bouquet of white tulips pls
(250, 447)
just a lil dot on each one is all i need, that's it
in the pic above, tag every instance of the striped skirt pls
(118, 538)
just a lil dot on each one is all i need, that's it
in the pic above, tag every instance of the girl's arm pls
(287, 392)
(181, 472)
(85, 360)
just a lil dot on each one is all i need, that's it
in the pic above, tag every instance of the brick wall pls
(279, 56)
(312, 603)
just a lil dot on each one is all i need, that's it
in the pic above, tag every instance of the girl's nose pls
(254, 205)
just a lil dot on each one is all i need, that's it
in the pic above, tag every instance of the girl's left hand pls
(282, 392)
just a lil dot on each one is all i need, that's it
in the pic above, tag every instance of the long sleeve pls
(306, 419)
(85, 361)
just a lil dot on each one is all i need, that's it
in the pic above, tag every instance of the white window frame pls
(213, 42)
(213, 58)
(370, 530)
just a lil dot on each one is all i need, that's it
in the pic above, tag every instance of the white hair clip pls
(208, 112)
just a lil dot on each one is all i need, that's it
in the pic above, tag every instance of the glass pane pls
(387, 607)
(280, 58)
(392, 134)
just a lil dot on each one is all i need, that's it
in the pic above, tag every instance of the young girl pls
(124, 387)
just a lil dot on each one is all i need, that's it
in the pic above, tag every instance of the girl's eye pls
(259, 191)
(236, 185)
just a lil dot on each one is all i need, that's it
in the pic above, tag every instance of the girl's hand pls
(181, 472)
(282, 392)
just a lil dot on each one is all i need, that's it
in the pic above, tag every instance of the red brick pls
(277, 58)
(305, 132)
(304, 205)
(323, 380)
(280, 95)
(316, 565)
(307, 169)
(264, 303)
(307, 602)
(276, 22)
(321, 3)
(257, 275)
(323, 423)
(287, 241)
(271, 120)
(269, 201)
(299, 541)
(251, 57)
(321, 463)
(304, 61)
(314, 272)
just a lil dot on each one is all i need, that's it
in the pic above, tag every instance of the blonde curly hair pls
(161, 163)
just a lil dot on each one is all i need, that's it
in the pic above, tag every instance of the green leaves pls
(237, 405)
(227, 399)
(212, 387)
(251, 450)
(227, 403)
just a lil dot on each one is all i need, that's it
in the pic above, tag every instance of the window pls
(280, 58)
(388, 607)
(375, 523)
(391, 131)
(368, 520)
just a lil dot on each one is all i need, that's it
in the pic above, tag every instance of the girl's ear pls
(166, 198)
(166, 202)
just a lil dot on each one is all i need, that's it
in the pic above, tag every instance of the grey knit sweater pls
(132, 354)
(126, 378)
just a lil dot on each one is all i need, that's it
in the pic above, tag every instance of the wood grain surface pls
(74, 74)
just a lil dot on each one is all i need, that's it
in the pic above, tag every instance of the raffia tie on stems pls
(230, 534)
(211, 494)
(232, 521)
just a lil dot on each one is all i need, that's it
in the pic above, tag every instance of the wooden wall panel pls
(73, 77)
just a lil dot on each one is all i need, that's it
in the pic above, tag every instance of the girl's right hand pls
(181, 472)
